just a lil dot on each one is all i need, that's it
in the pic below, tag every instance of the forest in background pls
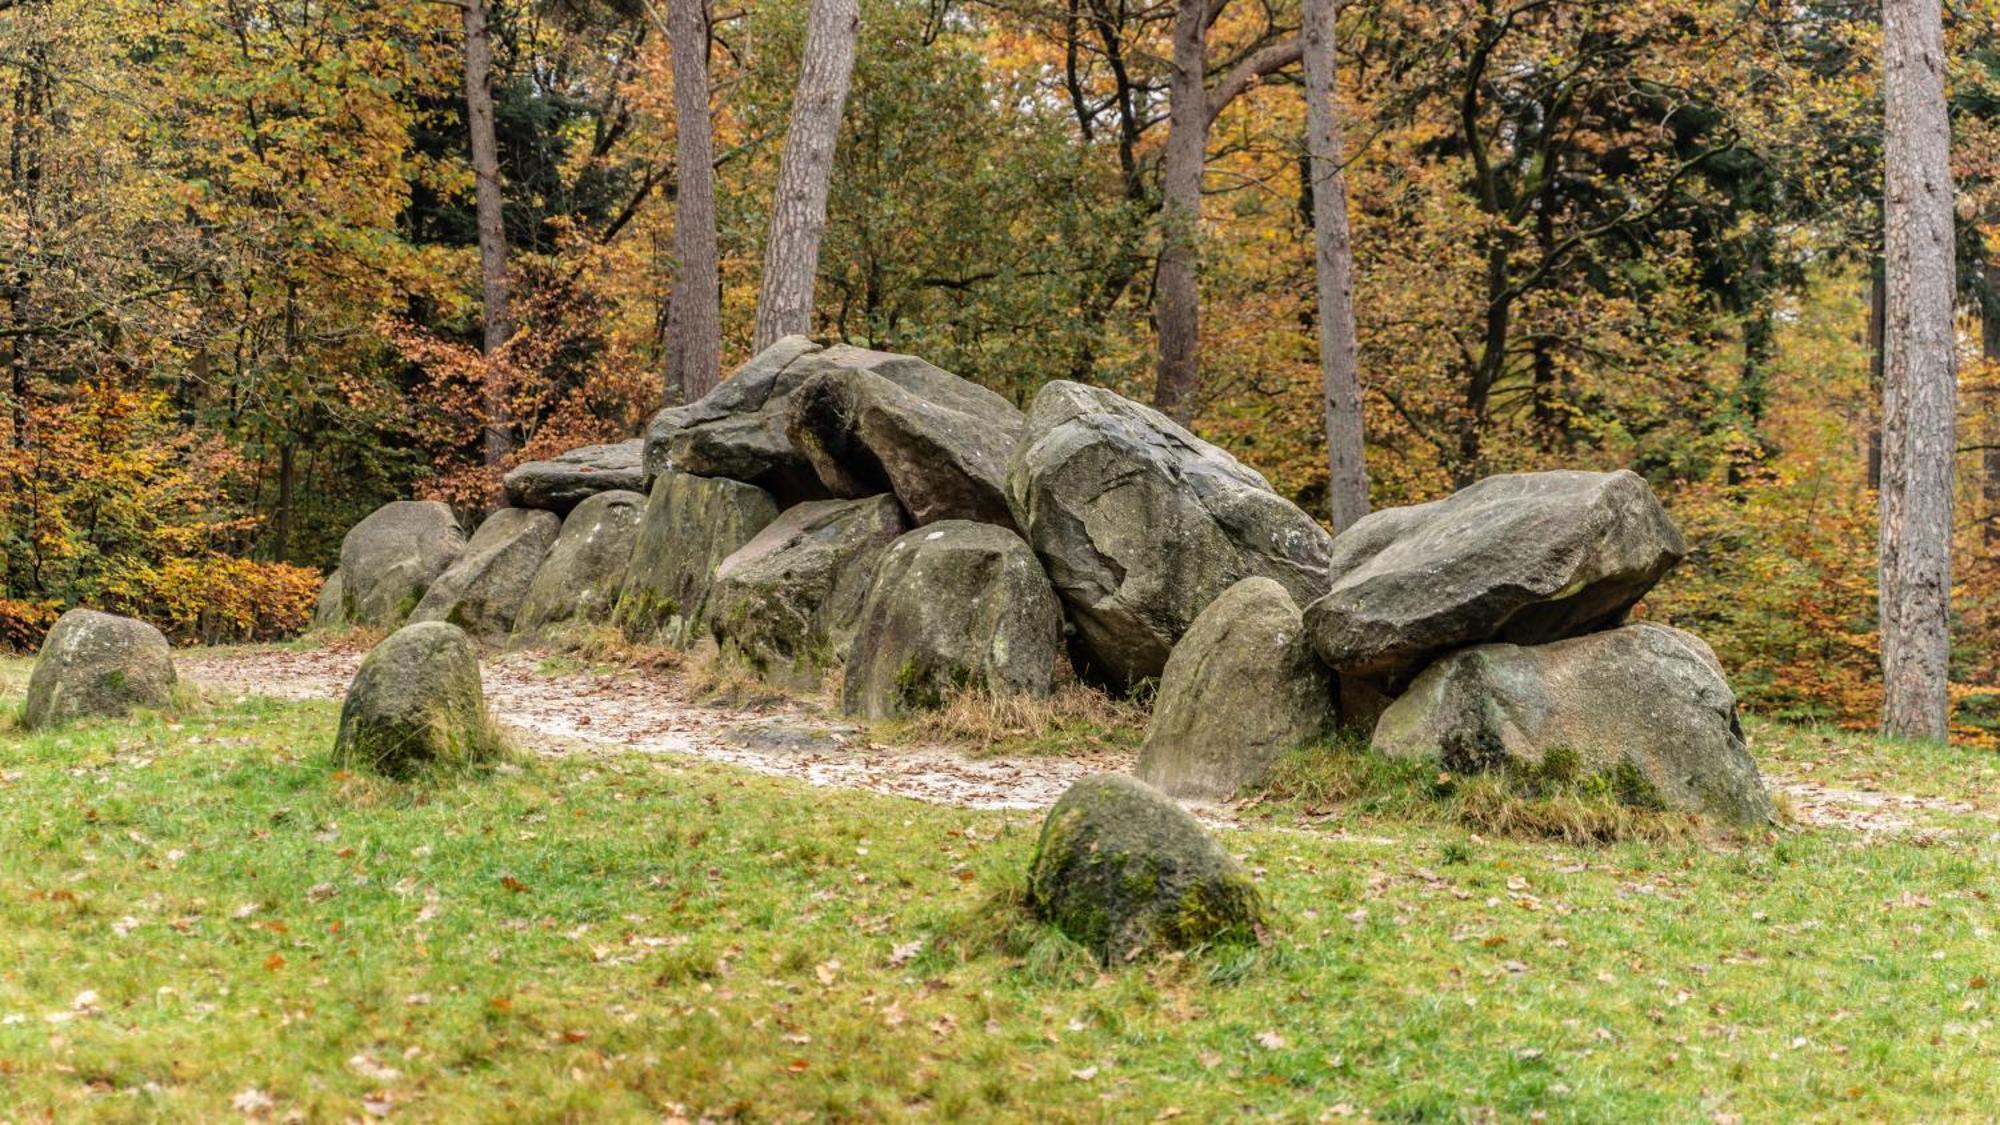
(240, 299)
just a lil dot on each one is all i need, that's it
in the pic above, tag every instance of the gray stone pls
(1124, 870)
(416, 702)
(579, 580)
(691, 524)
(786, 603)
(331, 611)
(1242, 688)
(1522, 558)
(482, 592)
(98, 665)
(938, 442)
(562, 482)
(954, 605)
(658, 456)
(1141, 524)
(390, 558)
(737, 430)
(1645, 707)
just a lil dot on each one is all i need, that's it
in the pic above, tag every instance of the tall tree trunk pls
(1878, 313)
(694, 317)
(1339, 364)
(805, 172)
(1177, 299)
(499, 437)
(1919, 387)
(1989, 339)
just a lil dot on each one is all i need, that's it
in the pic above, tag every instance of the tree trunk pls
(1877, 312)
(499, 438)
(1340, 378)
(694, 317)
(805, 172)
(1919, 387)
(1177, 300)
(1989, 339)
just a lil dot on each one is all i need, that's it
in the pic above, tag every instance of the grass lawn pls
(200, 918)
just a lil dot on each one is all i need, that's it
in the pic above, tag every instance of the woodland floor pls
(647, 913)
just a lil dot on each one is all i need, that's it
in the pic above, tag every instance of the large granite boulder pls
(1644, 707)
(1141, 524)
(98, 665)
(1124, 870)
(390, 558)
(482, 592)
(737, 430)
(416, 702)
(954, 605)
(331, 610)
(580, 578)
(1242, 689)
(658, 452)
(787, 602)
(562, 482)
(690, 525)
(1522, 558)
(938, 442)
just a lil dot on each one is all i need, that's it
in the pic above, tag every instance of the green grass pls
(191, 911)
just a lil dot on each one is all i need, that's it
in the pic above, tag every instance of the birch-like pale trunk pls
(1339, 362)
(498, 320)
(1919, 385)
(694, 314)
(805, 172)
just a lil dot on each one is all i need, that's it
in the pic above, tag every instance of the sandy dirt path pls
(644, 711)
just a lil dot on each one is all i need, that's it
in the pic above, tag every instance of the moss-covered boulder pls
(1644, 709)
(99, 665)
(954, 605)
(482, 592)
(390, 558)
(1241, 689)
(331, 611)
(416, 702)
(1141, 525)
(786, 604)
(690, 525)
(579, 579)
(1124, 870)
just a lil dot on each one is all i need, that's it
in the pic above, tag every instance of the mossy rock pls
(579, 579)
(99, 665)
(690, 525)
(415, 704)
(1124, 870)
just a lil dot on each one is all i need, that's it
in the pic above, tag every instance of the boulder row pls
(1141, 525)
(1124, 870)
(415, 702)
(1522, 558)
(580, 578)
(1241, 689)
(1644, 707)
(388, 560)
(954, 605)
(690, 525)
(787, 602)
(564, 481)
(98, 665)
(482, 592)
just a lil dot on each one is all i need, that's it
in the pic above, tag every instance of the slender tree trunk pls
(499, 437)
(1339, 363)
(1989, 339)
(694, 317)
(1177, 299)
(805, 172)
(1919, 387)
(1878, 302)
